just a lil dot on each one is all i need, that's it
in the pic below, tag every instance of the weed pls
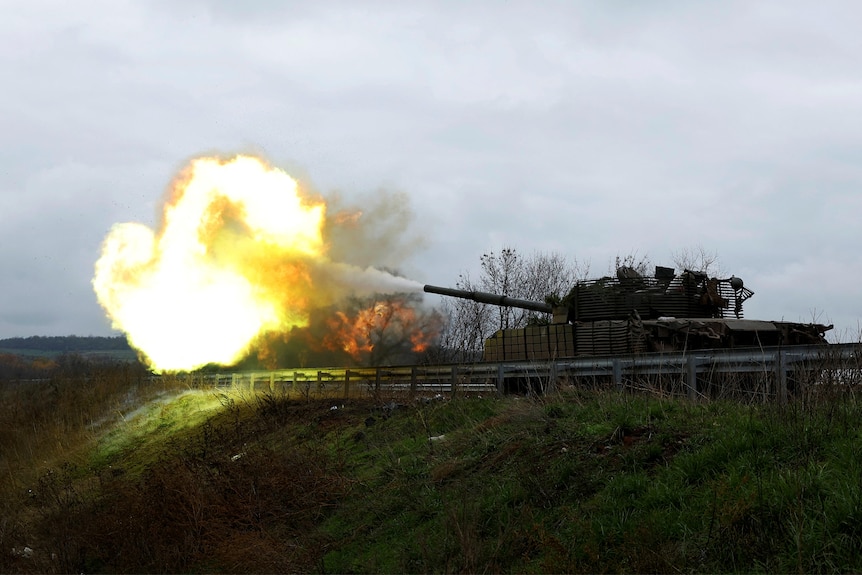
(581, 481)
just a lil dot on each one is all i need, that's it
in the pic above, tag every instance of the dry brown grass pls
(45, 421)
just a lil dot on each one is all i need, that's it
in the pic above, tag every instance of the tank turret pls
(692, 294)
(689, 295)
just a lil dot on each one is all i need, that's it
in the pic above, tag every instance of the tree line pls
(66, 343)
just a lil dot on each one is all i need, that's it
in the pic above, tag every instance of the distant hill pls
(50, 346)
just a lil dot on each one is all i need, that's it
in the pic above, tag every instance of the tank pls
(631, 313)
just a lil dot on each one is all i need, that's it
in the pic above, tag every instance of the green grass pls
(139, 438)
(197, 481)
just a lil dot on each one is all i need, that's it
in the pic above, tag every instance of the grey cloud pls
(583, 128)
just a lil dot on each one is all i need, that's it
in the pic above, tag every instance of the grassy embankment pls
(582, 481)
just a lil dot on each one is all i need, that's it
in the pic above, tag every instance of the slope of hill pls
(583, 481)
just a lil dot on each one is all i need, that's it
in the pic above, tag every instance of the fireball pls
(230, 261)
(239, 254)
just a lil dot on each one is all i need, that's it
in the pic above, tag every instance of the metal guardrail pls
(773, 371)
(442, 379)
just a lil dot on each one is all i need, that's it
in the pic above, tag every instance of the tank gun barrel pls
(490, 298)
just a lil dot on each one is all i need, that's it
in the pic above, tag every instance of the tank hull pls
(632, 336)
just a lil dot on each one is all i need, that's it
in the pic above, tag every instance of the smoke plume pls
(243, 251)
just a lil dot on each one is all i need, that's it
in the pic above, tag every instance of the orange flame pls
(240, 253)
(381, 328)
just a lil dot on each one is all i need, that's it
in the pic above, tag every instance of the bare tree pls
(462, 338)
(697, 259)
(639, 263)
(503, 273)
(537, 277)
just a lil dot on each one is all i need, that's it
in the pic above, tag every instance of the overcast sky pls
(586, 128)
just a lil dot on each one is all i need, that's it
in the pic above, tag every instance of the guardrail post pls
(552, 378)
(412, 381)
(781, 376)
(377, 380)
(501, 380)
(272, 382)
(233, 381)
(346, 383)
(319, 381)
(618, 373)
(251, 382)
(293, 383)
(691, 377)
(454, 379)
